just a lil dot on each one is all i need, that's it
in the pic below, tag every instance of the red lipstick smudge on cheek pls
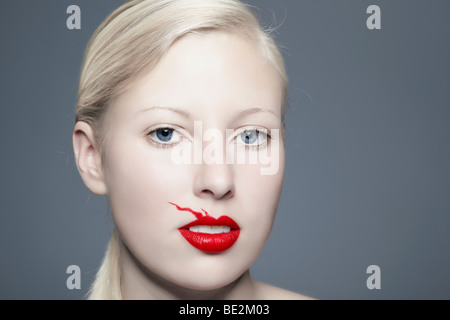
(198, 215)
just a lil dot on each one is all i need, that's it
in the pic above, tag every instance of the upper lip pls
(211, 221)
(206, 219)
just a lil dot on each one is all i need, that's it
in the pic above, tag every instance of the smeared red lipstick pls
(209, 242)
(195, 213)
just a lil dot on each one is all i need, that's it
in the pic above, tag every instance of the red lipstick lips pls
(209, 234)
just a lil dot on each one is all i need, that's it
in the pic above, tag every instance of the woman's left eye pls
(253, 137)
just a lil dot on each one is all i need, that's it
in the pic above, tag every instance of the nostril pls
(206, 191)
(217, 195)
(215, 182)
(228, 195)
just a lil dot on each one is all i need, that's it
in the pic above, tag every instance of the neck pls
(137, 282)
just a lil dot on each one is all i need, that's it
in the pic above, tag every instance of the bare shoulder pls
(270, 292)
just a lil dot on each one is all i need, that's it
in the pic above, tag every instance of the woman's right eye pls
(165, 136)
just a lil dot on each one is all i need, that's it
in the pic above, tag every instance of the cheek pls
(262, 189)
(137, 169)
(258, 196)
(261, 195)
(141, 180)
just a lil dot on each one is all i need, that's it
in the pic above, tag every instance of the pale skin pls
(212, 77)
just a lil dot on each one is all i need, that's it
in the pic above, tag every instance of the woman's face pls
(172, 149)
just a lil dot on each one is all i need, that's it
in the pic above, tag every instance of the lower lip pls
(207, 242)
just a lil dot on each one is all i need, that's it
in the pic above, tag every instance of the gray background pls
(368, 156)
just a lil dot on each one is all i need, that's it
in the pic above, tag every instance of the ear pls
(88, 158)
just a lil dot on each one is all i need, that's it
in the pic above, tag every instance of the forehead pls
(208, 72)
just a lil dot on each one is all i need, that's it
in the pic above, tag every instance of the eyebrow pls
(247, 112)
(179, 111)
(186, 114)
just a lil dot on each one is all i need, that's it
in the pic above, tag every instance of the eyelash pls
(163, 145)
(258, 130)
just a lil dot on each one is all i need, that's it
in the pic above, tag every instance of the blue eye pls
(164, 134)
(254, 137)
(250, 136)
(165, 137)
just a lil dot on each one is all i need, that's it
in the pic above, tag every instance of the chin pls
(210, 284)
(210, 277)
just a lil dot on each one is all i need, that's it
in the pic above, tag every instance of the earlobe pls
(88, 158)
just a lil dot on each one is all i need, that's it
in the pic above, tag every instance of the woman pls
(181, 107)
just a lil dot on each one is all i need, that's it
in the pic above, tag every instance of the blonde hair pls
(126, 46)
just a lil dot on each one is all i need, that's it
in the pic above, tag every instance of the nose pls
(214, 181)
